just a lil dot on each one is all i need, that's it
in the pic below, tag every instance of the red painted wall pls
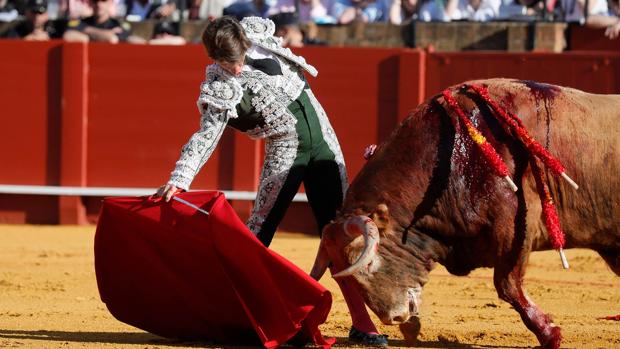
(30, 124)
(358, 88)
(582, 38)
(588, 71)
(117, 116)
(141, 111)
(30, 113)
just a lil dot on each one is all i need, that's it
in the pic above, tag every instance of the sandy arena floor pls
(49, 299)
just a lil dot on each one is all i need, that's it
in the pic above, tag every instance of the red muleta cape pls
(173, 271)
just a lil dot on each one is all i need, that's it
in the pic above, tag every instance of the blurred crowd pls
(111, 20)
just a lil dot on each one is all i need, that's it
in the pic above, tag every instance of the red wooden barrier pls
(30, 121)
(592, 72)
(74, 132)
(127, 110)
(30, 100)
(581, 38)
(359, 89)
(141, 110)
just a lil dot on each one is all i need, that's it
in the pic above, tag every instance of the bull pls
(427, 196)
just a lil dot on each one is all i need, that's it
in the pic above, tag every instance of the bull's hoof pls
(553, 339)
(411, 330)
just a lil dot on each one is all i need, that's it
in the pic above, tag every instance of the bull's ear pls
(381, 218)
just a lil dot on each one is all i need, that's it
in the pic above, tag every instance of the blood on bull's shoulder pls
(479, 176)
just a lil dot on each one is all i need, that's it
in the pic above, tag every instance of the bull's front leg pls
(509, 285)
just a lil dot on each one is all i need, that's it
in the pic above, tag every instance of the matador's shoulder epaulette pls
(220, 90)
(260, 31)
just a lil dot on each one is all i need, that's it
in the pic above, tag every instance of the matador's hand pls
(167, 191)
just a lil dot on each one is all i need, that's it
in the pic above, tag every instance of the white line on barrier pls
(113, 191)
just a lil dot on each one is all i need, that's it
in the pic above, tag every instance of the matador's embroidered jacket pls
(256, 103)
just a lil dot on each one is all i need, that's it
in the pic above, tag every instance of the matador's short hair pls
(225, 39)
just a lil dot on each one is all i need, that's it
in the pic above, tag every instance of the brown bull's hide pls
(434, 197)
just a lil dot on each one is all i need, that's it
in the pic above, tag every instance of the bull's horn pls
(321, 262)
(371, 241)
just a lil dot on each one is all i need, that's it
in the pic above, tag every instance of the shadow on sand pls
(144, 338)
(443, 343)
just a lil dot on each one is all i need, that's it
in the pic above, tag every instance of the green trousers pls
(314, 165)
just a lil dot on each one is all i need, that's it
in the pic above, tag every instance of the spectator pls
(511, 9)
(100, 26)
(574, 10)
(76, 9)
(166, 34)
(248, 8)
(612, 26)
(54, 9)
(454, 10)
(347, 11)
(193, 11)
(140, 10)
(211, 9)
(287, 27)
(166, 9)
(609, 21)
(8, 12)
(35, 26)
(533, 9)
(403, 11)
(309, 10)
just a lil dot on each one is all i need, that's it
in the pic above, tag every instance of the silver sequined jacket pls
(221, 92)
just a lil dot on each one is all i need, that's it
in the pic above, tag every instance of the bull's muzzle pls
(402, 311)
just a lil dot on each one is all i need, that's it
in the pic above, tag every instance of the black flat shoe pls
(373, 340)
